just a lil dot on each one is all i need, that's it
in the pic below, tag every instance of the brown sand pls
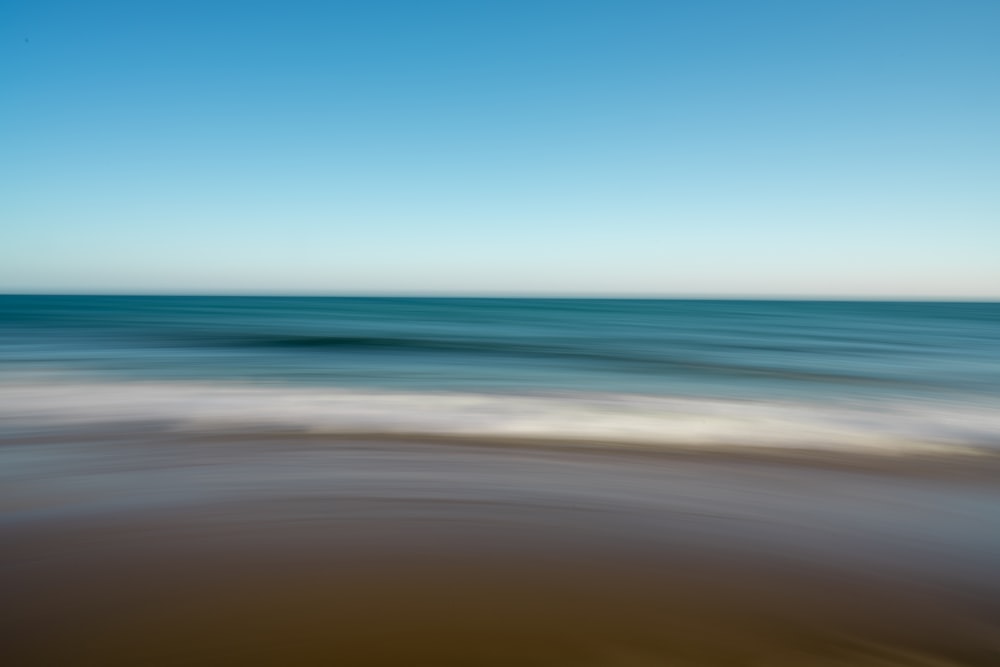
(310, 551)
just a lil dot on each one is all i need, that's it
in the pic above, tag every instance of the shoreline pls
(968, 463)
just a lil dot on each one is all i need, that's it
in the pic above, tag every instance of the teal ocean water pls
(875, 376)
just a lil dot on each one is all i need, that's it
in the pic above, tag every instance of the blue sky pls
(703, 147)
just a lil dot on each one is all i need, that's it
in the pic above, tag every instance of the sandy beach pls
(192, 550)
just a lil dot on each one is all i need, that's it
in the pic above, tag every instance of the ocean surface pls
(865, 376)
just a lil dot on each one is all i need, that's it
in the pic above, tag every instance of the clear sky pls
(635, 147)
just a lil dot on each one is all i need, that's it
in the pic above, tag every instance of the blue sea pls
(865, 376)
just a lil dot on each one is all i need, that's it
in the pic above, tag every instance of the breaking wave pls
(896, 426)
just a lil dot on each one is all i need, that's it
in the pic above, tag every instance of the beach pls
(166, 550)
(464, 482)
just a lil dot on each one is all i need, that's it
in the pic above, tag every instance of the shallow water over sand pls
(166, 549)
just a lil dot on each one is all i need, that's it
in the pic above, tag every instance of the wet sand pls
(189, 550)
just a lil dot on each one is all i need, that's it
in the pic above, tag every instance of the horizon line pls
(523, 296)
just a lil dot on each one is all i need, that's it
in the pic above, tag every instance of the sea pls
(865, 376)
(486, 482)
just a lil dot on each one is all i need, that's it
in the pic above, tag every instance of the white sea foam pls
(888, 427)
